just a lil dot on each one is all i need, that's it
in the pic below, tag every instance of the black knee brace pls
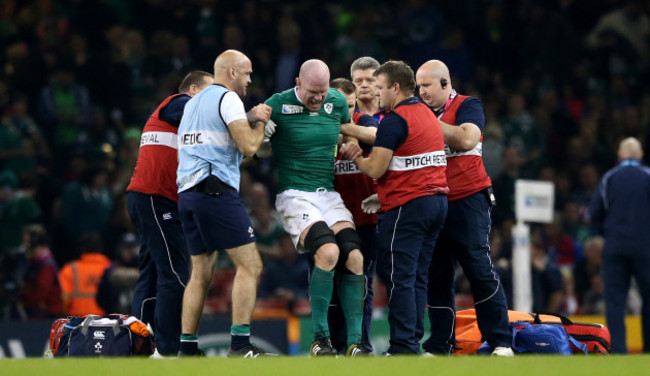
(348, 240)
(317, 236)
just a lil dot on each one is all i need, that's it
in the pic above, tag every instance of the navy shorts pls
(214, 223)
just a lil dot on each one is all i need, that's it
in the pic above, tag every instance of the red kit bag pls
(595, 336)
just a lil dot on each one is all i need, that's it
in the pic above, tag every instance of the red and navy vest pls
(418, 165)
(155, 169)
(354, 186)
(465, 170)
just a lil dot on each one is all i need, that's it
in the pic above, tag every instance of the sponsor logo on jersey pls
(289, 109)
(328, 107)
(167, 216)
(251, 233)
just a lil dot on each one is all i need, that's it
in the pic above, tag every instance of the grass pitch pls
(285, 366)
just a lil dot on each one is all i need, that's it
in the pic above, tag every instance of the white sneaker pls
(157, 355)
(427, 355)
(502, 351)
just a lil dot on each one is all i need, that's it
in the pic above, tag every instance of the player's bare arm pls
(375, 165)
(366, 135)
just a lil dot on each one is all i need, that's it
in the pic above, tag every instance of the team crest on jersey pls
(328, 107)
(289, 109)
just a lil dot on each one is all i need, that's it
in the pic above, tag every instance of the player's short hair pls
(196, 77)
(363, 63)
(344, 85)
(398, 72)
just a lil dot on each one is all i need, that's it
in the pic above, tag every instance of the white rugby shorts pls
(300, 209)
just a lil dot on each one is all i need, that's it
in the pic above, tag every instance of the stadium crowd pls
(561, 83)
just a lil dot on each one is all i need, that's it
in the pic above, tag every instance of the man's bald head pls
(312, 84)
(436, 69)
(630, 148)
(233, 69)
(434, 82)
(315, 70)
(228, 59)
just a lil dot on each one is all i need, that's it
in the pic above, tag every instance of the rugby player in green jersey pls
(304, 129)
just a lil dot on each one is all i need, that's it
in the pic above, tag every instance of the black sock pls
(189, 344)
(240, 336)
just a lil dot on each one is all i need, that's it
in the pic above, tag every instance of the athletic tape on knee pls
(348, 240)
(317, 236)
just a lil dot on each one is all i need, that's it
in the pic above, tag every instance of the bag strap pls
(579, 345)
(563, 319)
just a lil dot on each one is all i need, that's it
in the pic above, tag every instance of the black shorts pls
(214, 222)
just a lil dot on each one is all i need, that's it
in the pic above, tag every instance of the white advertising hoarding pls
(534, 201)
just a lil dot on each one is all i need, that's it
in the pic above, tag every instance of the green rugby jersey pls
(304, 143)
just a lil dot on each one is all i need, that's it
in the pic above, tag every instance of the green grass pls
(285, 366)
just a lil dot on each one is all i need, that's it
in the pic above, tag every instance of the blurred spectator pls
(79, 279)
(585, 269)
(569, 300)
(24, 68)
(268, 230)
(504, 184)
(558, 245)
(287, 277)
(546, 281)
(572, 223)
(86, 205)
(521, 130)
(593, 302)
(18, 208)
(290, 55)
(40, 291)
(493, 149)
(421, 28)
(622, 35)
(584, 190)
(547, 35)
(63, 111)
(115, 290)
(21, 141)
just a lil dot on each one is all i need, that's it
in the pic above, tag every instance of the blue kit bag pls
(543, 339)
(539, 339)
(110, 335)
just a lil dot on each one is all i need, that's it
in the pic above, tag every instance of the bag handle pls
(563, 319)
(85, 325)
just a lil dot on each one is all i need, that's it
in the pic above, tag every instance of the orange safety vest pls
(79, 281)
